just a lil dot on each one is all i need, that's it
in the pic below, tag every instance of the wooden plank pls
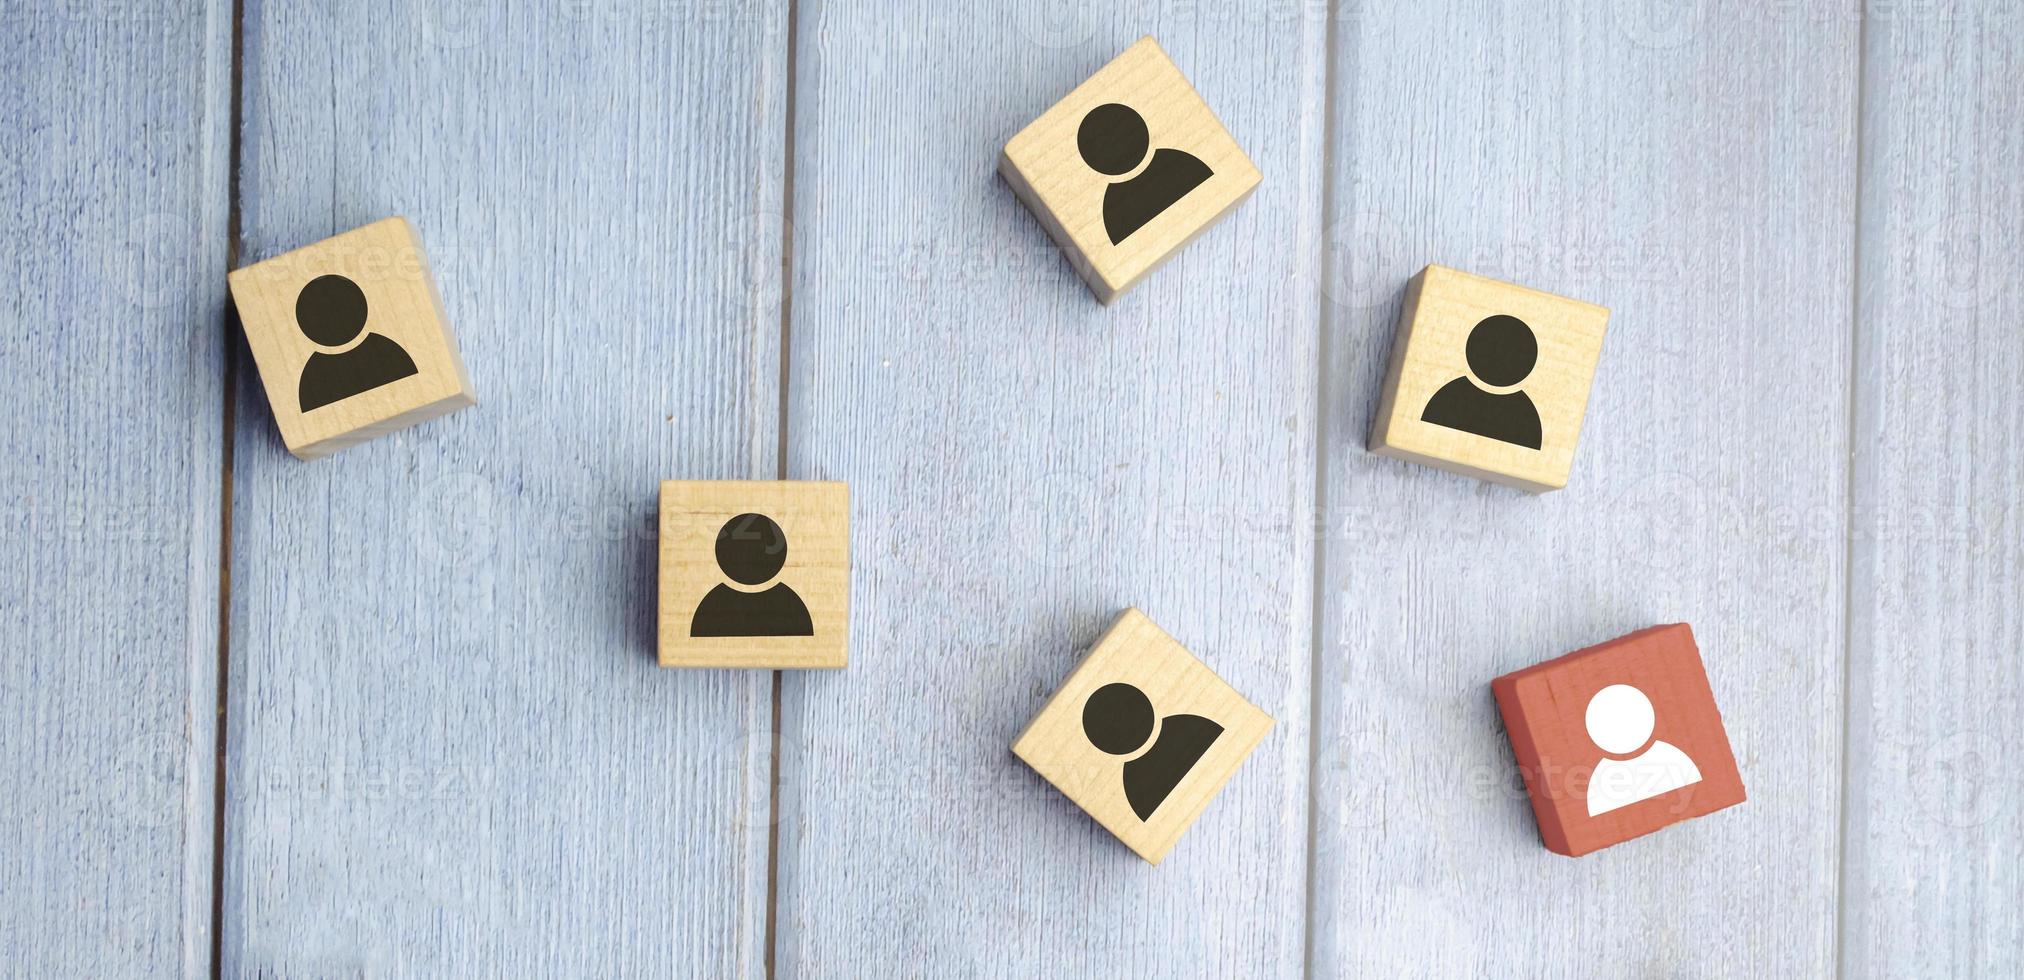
(1024, 465)
(112, 229)
(1691, 168)
(450, 750)
(1935, 822)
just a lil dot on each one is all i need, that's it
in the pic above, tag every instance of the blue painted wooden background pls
(395, 713)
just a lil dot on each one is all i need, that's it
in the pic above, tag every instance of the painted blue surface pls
(113, 209)
(759, 240)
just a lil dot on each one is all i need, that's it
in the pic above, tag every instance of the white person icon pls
(1620, 722)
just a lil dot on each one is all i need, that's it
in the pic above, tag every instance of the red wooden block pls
(1619, 740)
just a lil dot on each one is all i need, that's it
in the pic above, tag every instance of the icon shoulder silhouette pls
(1151, 778)
(726, 611)
(1508, 417)
(1129, 205)
(331, 378)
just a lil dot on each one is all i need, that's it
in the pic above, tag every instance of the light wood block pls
(1172, 730)
(754, 574)
(1618, 740)
(1489, 379)
(350, 339)
(1127, 168)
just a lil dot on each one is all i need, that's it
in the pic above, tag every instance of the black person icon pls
(1113, 140)
(1501, 353)
(751, 550)
(1118, 718)
(331, 312)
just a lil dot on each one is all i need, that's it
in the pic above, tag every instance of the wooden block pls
(1142, 735)
(350, 339)
(1489, 379)
(1127, 168)
(754, 574)
(1618, 740)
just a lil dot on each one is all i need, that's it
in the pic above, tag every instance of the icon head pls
(1620, 719)
(1113, 139)
(1502, 350)
(1118, 718)
(751, 549)
(330, 310)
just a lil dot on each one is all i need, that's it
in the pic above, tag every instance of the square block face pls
(1489, 379)
(1619, 740)
(754, 574)
(1142, 735)
(350, 339)
(1128, 168)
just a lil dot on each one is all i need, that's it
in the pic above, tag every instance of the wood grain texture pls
(1179, 138)
(1025, 464)
(1563, 715)
(451, 752)
(1196, 727)
(1935, 821)
(799, 620)
(112, 324)
(1424, 403)
(1692, 169)
(311, 388)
